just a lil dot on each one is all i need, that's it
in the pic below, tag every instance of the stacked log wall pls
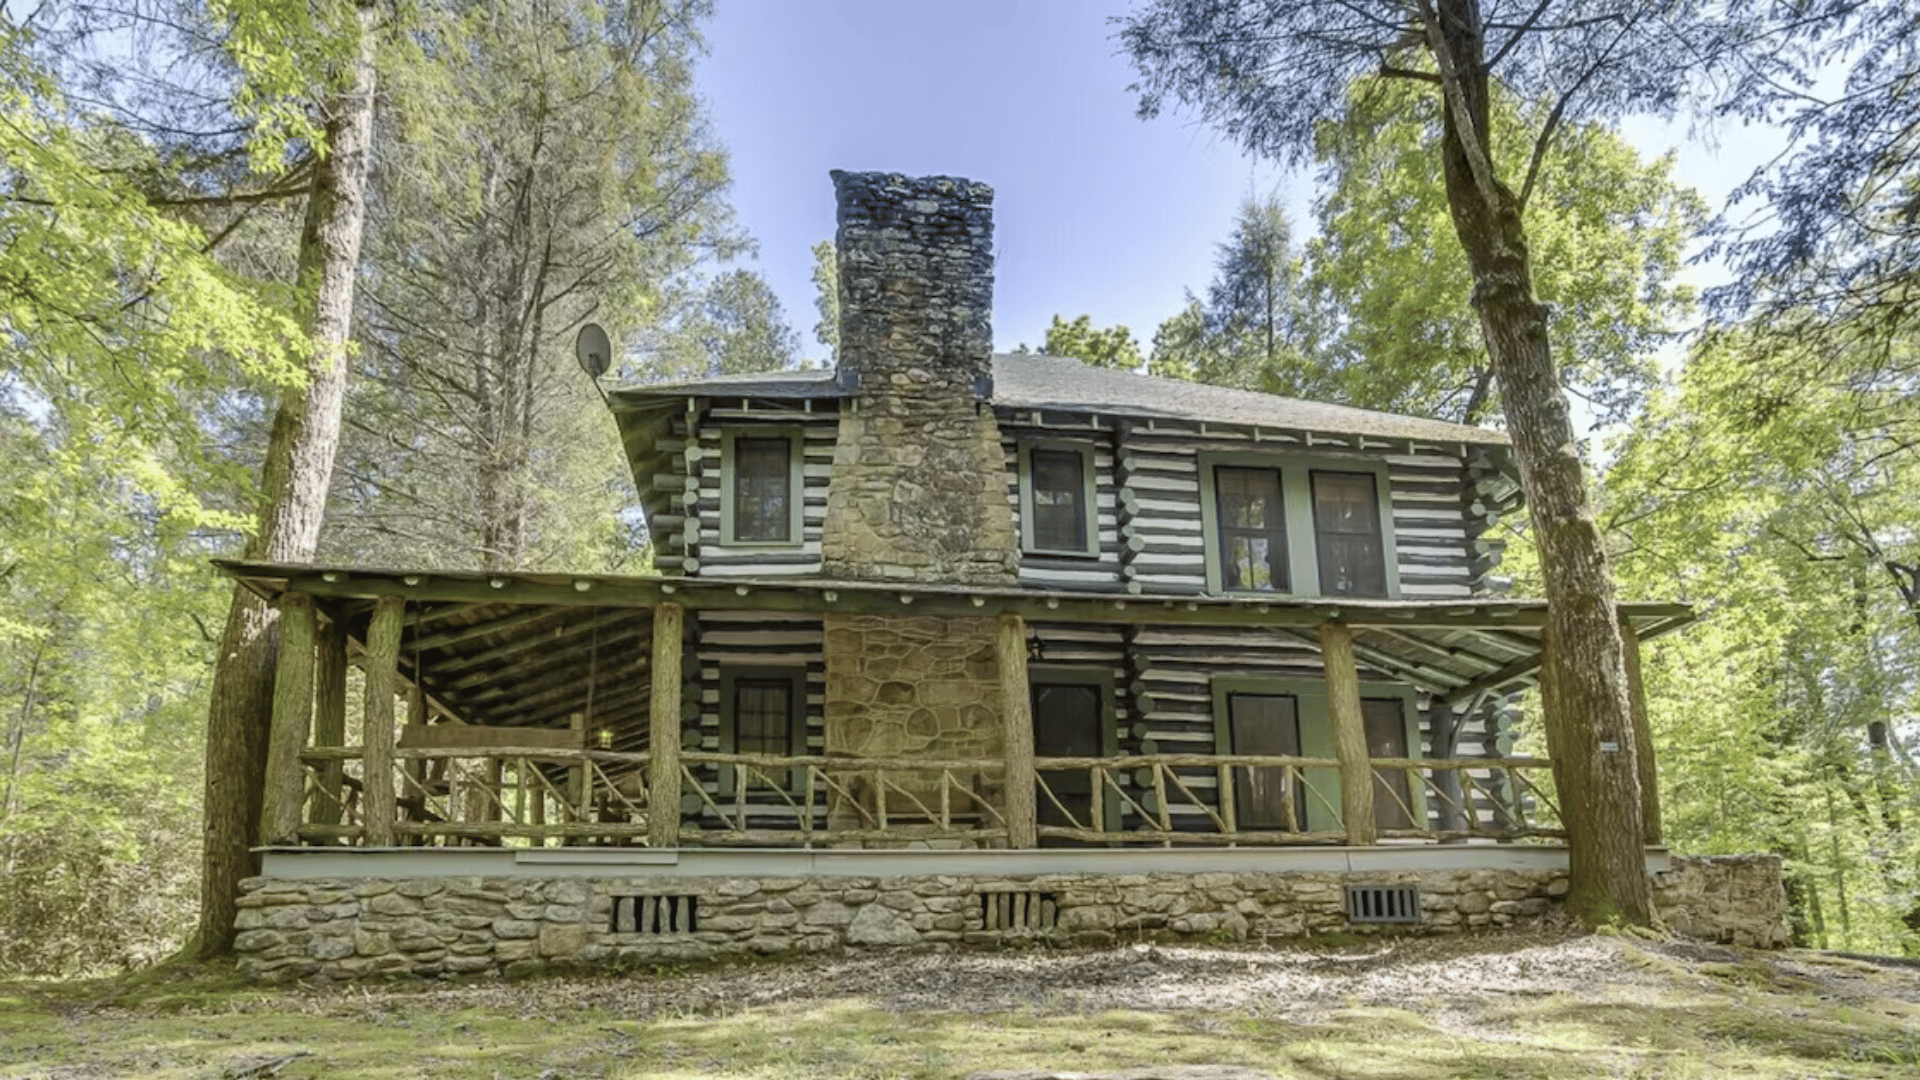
(762, 640)
(1149, 503)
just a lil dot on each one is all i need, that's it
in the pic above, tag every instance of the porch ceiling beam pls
(607, 707)
(716, 594)
(516, 619)
(1522, 670)
(553, 683)
(534, 641)
(1412, 671)
(1445, 654)
(479, 685)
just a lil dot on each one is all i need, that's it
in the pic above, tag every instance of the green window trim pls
(1296, 486)
(1316, 734)
(1101, 679)
(1089, 496)
(798, 717)
(796, 490)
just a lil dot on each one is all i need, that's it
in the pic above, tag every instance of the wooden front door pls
(1066, 723)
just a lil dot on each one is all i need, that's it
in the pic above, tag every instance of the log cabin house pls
(941, 646)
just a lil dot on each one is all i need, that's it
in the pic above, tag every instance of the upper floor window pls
(1057, 514)
(760, 496)
(1305, 528)
(1346, 533)
(1251, 521)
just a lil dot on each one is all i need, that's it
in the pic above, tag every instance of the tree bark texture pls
(378, 802)
(294, 481)
(1020, 800)
(1349, 733)
(663, 728)
(1584, 684)
(292, 719)
(330, 718)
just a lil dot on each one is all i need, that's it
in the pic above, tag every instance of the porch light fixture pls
(606, 738)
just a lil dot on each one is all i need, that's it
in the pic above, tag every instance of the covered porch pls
(532, 711)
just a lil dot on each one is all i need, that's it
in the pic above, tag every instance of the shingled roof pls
(1063, 384)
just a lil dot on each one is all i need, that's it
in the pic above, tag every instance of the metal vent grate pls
(1018, 911)
(1383, 903)
(655, 914)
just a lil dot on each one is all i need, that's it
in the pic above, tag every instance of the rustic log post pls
(285, 788)
(1650, 823)
(1445, 730)
(330, 719)
(1016, 709)
(577, 774)
(418, 769)
(376, 734)
(663, 718)
(1349, 732)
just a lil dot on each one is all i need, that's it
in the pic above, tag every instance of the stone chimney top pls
(916, 278)
(919, 488)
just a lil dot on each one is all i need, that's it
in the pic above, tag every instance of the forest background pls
(536, 164)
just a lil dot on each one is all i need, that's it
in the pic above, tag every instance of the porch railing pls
(542, 795)
(1194, 799)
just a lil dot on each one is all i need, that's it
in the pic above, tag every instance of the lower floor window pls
(762, 711)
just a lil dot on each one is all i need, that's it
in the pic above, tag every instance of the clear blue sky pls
(1096, 212)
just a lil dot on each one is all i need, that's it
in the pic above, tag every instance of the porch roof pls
(533, 649)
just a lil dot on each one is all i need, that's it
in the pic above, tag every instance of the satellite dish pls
(593, 350)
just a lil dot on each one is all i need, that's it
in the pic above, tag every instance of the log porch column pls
(330, 719)
(1016, 710)
(285, 787)
(1651, 829)
(1349, 732)
(663, 720)
(377, 810)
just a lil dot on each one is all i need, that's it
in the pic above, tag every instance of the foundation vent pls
(1030, 911)
(1383, 903)
(655, 914)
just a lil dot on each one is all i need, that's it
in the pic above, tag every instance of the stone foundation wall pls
(352, 928)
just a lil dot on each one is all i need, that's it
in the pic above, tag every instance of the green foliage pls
(826, 299)
(735, 326)
(537, 165)
(1607, 232)
(1257, 328)
(1780, 499)
(1112, 347)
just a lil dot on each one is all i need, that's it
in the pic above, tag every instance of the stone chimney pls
(919, 489)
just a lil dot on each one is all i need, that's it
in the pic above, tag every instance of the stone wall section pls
(918, 687)
(919, 489)
(348, 929)
(1735, 899)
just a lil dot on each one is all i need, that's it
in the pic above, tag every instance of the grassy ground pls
(1544, 1005)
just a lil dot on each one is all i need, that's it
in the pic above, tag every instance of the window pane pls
(1066, 723)
(1386, 724)
(762, 490)
(1059, 499)
(1346, 523)
(763, 716)
(1252, 529)
(1269, 725)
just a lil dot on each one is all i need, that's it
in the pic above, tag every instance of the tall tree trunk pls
(1584, 685)
(17, 743)
(294, 481)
